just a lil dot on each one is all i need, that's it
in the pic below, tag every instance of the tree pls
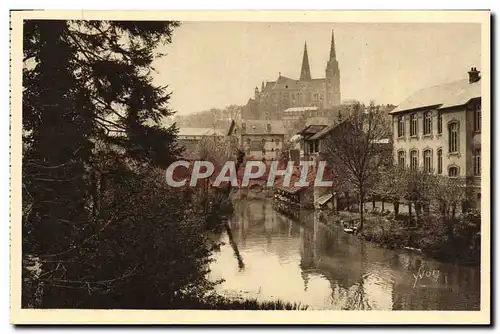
(92, 134)
(357, 148)
(391, 184)
(418, 187)
(447, 194)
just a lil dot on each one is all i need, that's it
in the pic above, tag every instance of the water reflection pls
(309, 263)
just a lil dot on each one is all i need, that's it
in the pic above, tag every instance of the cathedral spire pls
(305, 72)
(332, 48)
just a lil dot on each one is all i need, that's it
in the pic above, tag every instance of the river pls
(272, 257)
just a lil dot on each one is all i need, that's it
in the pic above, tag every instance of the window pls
(477, 117)
(401, 158)
(413, 125)
(427, 123)
(314, 146)
(427, 161)
(440, 123)
(453, 137)
(268, 127)
(414, 160)
(440, 161)
(316, 98)
(453, 171)
(477, 162)
(286, 100)
(401, 126)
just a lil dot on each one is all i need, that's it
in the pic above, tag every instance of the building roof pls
(269, 85)
(383, 141)
(323, 132)
(311, 129)
(310, 178)
(260, 127)
(294, 109)
(200, 132)
(285, 82)
(447, 95)
(323, 199)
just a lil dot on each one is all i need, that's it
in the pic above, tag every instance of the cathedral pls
(274, 97)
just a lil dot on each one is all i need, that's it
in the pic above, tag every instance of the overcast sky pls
(215, 64)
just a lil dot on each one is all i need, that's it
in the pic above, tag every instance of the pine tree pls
(90, 109)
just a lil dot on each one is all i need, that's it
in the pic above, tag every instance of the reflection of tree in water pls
(356, 295)
(356, 298)
(234, 246)
(306, 254)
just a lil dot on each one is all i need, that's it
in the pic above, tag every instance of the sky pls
(215, 64)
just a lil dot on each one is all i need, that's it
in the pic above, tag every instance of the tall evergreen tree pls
(86, 83)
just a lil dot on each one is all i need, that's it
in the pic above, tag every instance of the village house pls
(190, 138)
(259, 139)
(438, 130)
(313, 147)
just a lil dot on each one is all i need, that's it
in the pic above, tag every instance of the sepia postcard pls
(232, 167)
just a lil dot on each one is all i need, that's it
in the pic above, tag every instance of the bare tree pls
(358, 147)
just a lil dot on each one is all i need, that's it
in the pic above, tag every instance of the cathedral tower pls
(305, 72)
(332, 79)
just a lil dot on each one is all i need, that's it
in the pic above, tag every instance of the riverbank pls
(455, 242)
(225, 303)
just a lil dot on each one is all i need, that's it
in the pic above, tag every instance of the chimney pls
(474, 75)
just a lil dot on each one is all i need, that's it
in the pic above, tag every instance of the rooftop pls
(300, 109)
(200, 132)
(259, 127)
(442, 96)
(311, 129)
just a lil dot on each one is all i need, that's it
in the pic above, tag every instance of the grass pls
(254, 304)
(217, 302)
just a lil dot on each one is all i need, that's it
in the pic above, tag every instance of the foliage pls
(356, 151)
(433, 193)
(99, 224)
(447, 194)
(452, 240)
(146, 249)
(223, 303)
